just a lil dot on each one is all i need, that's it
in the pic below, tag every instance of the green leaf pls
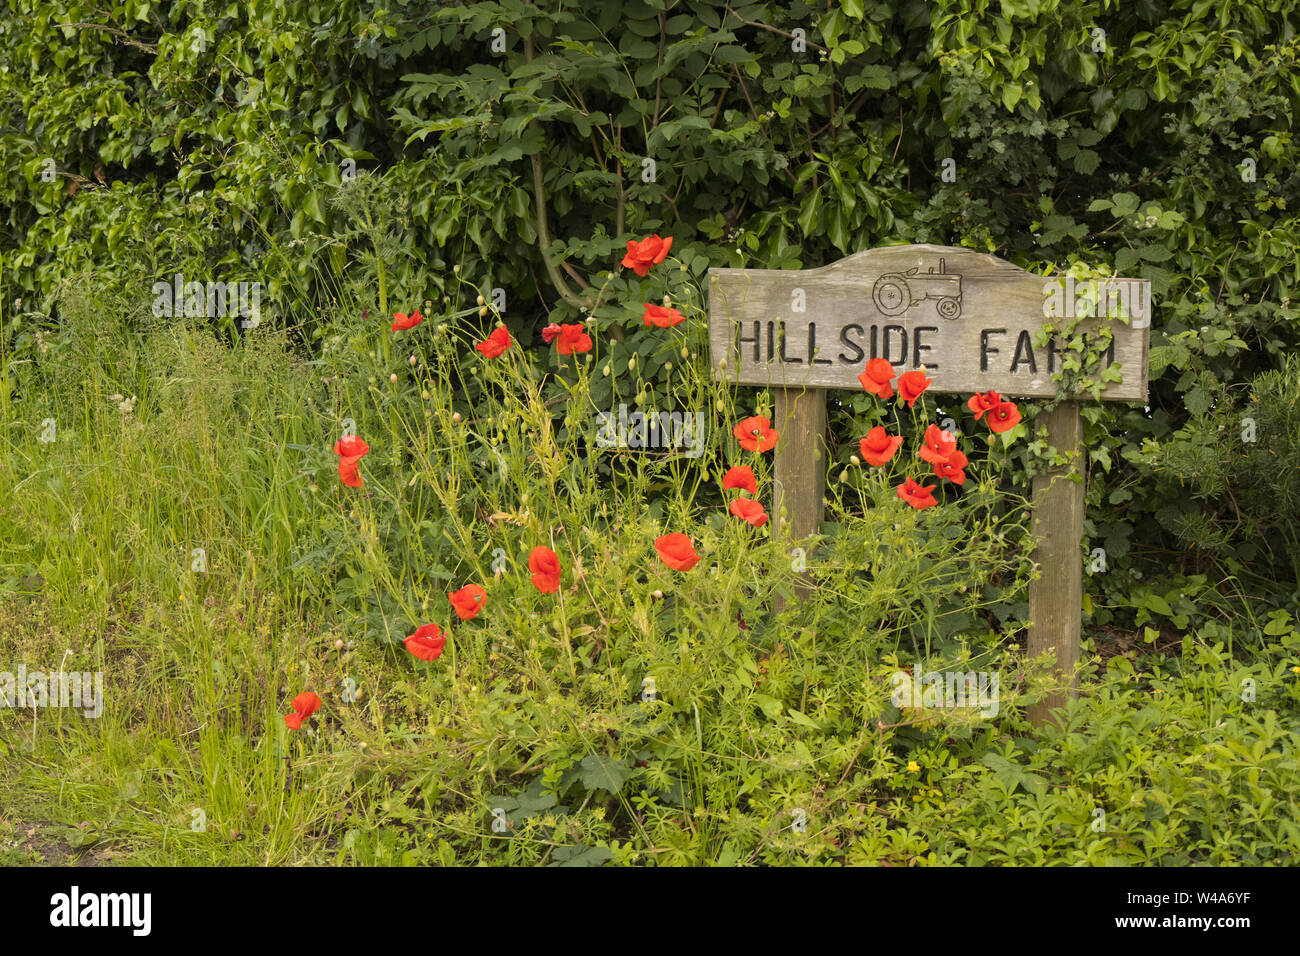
(580, 855)
(1159, 605)
(604, 773)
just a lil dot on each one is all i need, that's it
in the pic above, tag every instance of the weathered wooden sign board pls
(970, 322)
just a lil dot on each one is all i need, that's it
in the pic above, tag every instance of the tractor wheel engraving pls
(949, 308)
(891, 295)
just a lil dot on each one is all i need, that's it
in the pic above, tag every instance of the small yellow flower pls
(1295, 670)
(913, 766)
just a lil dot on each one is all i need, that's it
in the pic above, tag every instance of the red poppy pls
(550, 332)
(661, 316)
(468, 601)
(918, 496)
(749, 510)
(877, 377)
(983, 402)
(648, 252)
(545, 566)
(352, 447)
(1003, 417)
(878, 447)
(939, 445)
(496, 343)
(304, 705)
(349, 472)
(426, 643)
(756, 434)
(403, 321)
(676, 551)
(911, 385)
(573, 340)
(742, 477)
(951, 468)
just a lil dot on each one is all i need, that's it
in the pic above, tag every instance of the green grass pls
(759, 719)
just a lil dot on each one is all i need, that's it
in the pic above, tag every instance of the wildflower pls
(916, 495)
(661, 316)
(648, 252)
(304, 705)
(1004, 417)
(545, 567)
(983, 402)
(740, 477)
(402, 321)
(879, 446)
(573, 340)
(677, 551)
(747, 509)
(496, 343)
(426, 643)
(756, 434)
(876, 378)
(911, 385)
(468, 601)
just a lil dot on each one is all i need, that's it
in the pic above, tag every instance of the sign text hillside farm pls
(970, 321)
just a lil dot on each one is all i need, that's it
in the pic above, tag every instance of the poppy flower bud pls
(605, 371)
(667, 301)
(412, 361)
(722, 363)
(686, 353)
(668, 366)
(424, 395)
(455, 417)
(631, 363)
(479, 300)
(338, 645)
(844, 476)
(658, 595)
(456, 267)
(482, 312)
(393, 378)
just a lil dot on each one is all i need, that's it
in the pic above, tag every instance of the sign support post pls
(799, 416)
(1056, 597)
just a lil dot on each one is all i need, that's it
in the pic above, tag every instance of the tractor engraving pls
(896, 292)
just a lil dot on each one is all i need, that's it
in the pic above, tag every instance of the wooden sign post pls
(969, 321)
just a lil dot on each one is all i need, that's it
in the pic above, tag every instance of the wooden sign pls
(970, 321)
